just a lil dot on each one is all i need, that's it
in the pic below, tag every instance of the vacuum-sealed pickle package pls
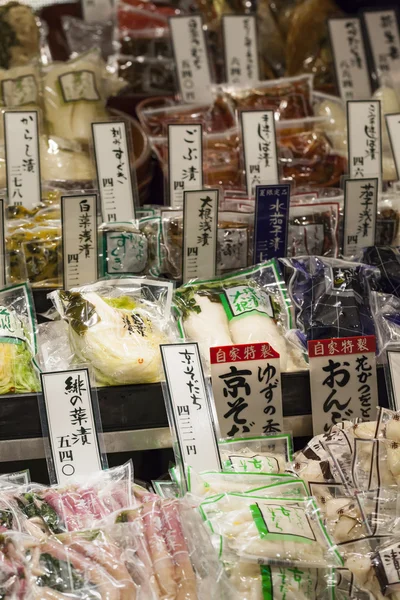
(313, 229)
(117, 326)
(262, 454)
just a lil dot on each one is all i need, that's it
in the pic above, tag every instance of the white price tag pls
(364, 139)
(189, 406)
(349, 57)
(79, 234)
(241, 49)
(360, 208)
(21, 139)
(2, 245)
(393, 369)
(393, 127)
(185, 161)
(117, 187)
(246, 382)
(191, 59)
(343, 380)
(384, 40)
(71, 424)
(259, 148)
(97, 11)
(200, 226)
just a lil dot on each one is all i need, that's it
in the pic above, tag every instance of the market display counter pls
(134, 418)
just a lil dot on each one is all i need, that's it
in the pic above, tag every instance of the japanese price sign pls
(360, 207)
(189, 407)
(349, 58)
(191, 59)
(259, 147)
(22, 158)
(241, 50)
(364, 139)
(185, 161)
(343, 380)
(71, 424)
(384, 41)
(393, 127)
(2, 245)
(393, 377)
(246, 382)
(95, 11)
(117, 185)
(200, 226)
(79, 234)
(271, 221)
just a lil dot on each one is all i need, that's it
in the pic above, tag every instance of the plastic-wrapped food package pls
(116, 326)
(20, 88)
(234, 241)
(75, 94)
(256, 582)
(131, 248)
(307, 43)
(313, 229)
(380, 508)
(82, 36)
(387, 260)
(263, 454)
(386, 310)
(248, 306)
(144, 32)
(385, 564)
(335, 125)
(269, 530)
(20, 39)
(77, 505)
(359, 563)
(289, 98)
(388, 219)
(306, 155)
(209, 483)
(216, 118)
(148, 76)
(18, 345)
(331, 297)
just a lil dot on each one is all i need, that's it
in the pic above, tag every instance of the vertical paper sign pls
(185, 161)
(393, 377)
(360, 207)
(343, 380)
(364, 139)
(349, 57)
(71, 423)
(241, 49)
(384, 41)
(271, 220)
(259, 147)
(191, 59)
(200, 226)
(246, 382)
(79, 234)
(2, 245)
(114, 175)
(189, 407)
(97, 11)
(21, 139)
(393, 127)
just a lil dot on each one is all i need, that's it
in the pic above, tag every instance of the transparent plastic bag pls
(331, 297)
(313, 229)
(379, 509)
(387, 260)
(263, 454)
(386, 310)
(82, 36)
(242, 307)
(18, 343)
(269, 530)
(117, 325)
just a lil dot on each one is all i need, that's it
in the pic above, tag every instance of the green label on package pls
(288, 521)
(243, 299)
(282, 583)
(253, 464)
(11, 330)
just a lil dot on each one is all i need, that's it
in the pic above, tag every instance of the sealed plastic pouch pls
(264, 454)
(117, 325)
(270, 530)
(313, 229)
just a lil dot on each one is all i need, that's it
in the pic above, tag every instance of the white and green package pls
(262, 454)
(269, 530)
(18, 345)
(247, 306)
